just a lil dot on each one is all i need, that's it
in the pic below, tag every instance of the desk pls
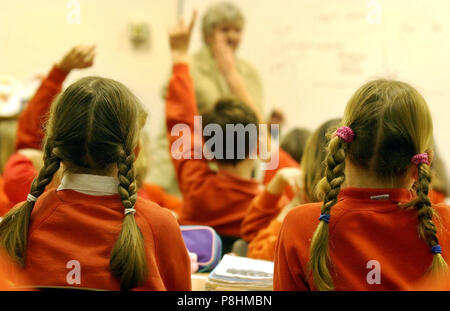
(199, 281)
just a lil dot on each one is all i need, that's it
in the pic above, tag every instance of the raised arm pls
(270, 203)
(23, 165)
(261, 211)
(30, 131)
(181, 109)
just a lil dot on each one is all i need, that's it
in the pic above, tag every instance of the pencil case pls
(206, 243)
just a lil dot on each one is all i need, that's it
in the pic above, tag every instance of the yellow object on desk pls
(199, 281)
(234, 273)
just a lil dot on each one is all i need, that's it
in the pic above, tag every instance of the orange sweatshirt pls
(263, 244)
(440, 283)
(216, 199)
(159, 196)
(69, 228)
(260, 227)
(12, 276)
(364, 233)
(260, 213)
(436, 197)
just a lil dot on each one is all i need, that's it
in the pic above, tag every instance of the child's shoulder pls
(304, 216)
(44, 207)
(155, 215)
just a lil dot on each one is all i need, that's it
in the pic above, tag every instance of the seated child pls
(375, 233)
(263, 220)
(93, 231)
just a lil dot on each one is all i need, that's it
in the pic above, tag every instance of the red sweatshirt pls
(262, 210)
(216, 199)
(12, 276)
(159, 196)
(436, 196)
(262, 235)
(364, 233)
(68, 227)
(260, 227)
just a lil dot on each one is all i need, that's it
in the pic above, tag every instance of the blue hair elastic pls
(324, 217)
(436, 249)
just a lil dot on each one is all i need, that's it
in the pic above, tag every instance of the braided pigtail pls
(330, 186)
(427, 229)
(128, 259)
(14, 226)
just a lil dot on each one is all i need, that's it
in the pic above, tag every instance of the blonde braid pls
(128, 259)
(330, 185)
(427, 229)
(15, 224)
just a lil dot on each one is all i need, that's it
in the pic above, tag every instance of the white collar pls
(90, 184)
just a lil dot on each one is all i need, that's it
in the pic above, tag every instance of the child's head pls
(391, 124)
(312, 163)
(94, 127)
(237, 121)
(294, 143)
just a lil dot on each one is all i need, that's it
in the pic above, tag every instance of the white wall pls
(35, 34)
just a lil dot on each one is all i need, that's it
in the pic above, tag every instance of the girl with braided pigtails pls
(371, 232)
(93, 231)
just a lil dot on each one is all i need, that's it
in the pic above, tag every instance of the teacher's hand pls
(223, 54)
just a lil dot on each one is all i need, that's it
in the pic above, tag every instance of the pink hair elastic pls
(420, 158)
(345, 133)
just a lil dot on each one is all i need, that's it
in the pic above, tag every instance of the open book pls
(241, 273)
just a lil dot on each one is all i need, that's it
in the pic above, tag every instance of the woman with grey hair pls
(215, 65)
(217, 72)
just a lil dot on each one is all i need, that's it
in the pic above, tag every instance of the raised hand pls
(79, 57)
(286, 176)
(179, 39)
(223, 54)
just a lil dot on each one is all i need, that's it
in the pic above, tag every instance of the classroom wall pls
(35, 34)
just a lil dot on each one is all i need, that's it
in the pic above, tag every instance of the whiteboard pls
(312, 55)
